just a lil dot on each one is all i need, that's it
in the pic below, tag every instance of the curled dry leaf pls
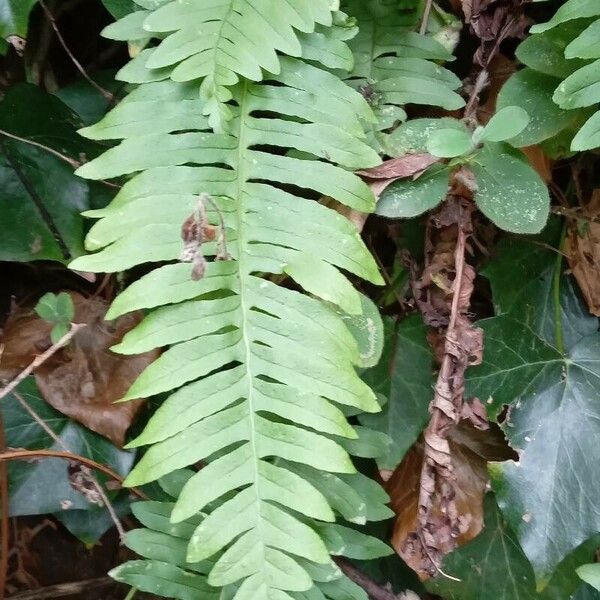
(84, 379)
(492, 22)
(470, 449)
(409, 165)
(583, 249)
(378, 178)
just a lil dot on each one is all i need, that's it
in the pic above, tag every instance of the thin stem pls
(90, 478)
(42, 358)
(373, 589)
(131, 594)
(33, 454)
(425, 19)
(64, 589)
(74, 163)
(556, 279)
(77, 64)
(4, 525)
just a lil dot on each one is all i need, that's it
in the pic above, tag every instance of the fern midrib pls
(241, 243)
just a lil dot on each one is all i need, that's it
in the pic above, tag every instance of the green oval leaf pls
(449, 143)
(406, 198)
(507, 123)
(509, 192)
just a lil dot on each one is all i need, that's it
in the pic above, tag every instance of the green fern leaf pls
(261, 370)
(221, 41)
(395, 66)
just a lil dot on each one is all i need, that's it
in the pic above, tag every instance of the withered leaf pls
(583, 250)
(470, 450)
(84, 379)
(409, 165)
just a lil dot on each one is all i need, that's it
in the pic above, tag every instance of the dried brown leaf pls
(409, 165)
(582, 246)
(84, 379)
(470, 449)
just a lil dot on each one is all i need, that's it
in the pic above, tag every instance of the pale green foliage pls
(221, 41)
(568, 47)
(395, 66)
(261, 371)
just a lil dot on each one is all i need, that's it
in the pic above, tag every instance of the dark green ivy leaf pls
(41, 199)
(491, 567)
(553, 419)
(521, 275)
(43, 486)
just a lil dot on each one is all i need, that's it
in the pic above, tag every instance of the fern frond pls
(394, 65)
(221, 41)
(261, 371)
(581, 89)
(164, 569)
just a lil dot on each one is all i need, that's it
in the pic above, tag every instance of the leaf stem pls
(131, 594)
(556, 279)
(42, 358)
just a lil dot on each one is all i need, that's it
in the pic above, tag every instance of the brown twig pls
(71, 161)
(86, 475)
(22, 454)
(425, 18)
(4, 525)
(77, 64)
(42, 358)
(373, 589)
(74, 163)
(63, 589)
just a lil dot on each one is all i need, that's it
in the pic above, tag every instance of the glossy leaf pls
(509, 192)
(553, 421)
(407, 198)
(41, 200)
(580, 89)
(521, 275)
(587, 44)
(491, 566)
(405, 378)
(411, 137)
(43, 486)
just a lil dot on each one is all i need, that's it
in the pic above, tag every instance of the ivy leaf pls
(507, 123)
(532, 91)
(408, 198)
(42, 199)
(404, 377)
(565, 580)
(554, 419)
(590, 574)
(449, 143)
(491, 566)
(586, 592)
(43, 486)
(509, 191)
(521, 275)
